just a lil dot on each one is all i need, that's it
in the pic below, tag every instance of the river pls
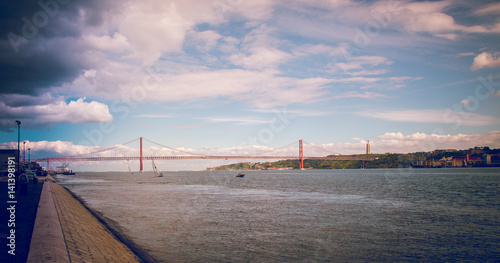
(448, 214)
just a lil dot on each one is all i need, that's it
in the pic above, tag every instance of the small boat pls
(63, 169)
(69, 173)
(240, 175)
(155, 170)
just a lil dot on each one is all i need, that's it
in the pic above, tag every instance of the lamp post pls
(24, 153)
(18, 142)
(29, 158)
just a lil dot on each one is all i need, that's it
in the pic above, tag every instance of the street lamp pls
(24, 153)
(18, 142)
(29, 158)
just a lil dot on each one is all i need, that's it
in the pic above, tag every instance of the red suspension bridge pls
(198, 156)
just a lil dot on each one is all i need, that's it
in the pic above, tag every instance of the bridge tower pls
(140, 170)
(301, 155)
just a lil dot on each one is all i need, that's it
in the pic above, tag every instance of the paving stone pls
(70, 233)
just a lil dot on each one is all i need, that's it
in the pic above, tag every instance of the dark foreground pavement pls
(22, 214)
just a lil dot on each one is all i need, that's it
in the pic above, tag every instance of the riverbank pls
(115, 230)
(66, 230)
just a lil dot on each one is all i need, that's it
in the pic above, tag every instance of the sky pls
(234, 77)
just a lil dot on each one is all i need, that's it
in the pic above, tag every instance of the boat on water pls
(240, 175)
(155, 170)
(63, 169)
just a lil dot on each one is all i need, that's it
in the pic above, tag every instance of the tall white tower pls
(368, 150)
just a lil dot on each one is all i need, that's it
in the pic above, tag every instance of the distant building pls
(460, 161)
(368, 150)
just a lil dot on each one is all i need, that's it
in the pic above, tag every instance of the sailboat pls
(130, 170)
(155, 170)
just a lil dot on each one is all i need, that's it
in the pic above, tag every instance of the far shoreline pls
(306, 169)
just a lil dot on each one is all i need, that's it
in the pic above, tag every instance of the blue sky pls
(240, 77)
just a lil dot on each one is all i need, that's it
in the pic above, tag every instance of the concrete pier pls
(65, 231)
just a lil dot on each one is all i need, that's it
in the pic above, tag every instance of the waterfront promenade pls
(64, 230)
(21, 220)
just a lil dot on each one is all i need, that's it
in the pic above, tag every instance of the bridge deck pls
(203, 157)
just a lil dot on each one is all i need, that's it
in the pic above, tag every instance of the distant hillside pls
(474, 157)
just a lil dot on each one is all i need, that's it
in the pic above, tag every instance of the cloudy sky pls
(242, 77)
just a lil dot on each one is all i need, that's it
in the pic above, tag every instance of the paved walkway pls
(65, 231)
(23, 217)
(47, 244)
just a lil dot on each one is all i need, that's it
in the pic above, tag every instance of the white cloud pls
(260, 58)
(162, 28)
(237, 120)
(260, 89)
(416, 142)
(291, 113)
(116, 43)
(491, 9)
(356, 94)
(485, 60)
(56, 111)
(56, 148)
(363, 65)
(449, 36)
(433, 116)
(188, 127)
(430, 17)
(253, 10)
(152, 28)
(391, 136)
(465, 102)
(153, 116)
(205, 40)
(259, 51)
(319, 49)
(176, 82)
(465, 54)
(329, 4)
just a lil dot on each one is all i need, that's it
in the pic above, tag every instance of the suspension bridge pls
(198, 156)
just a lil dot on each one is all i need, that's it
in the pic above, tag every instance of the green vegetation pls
(438, 158)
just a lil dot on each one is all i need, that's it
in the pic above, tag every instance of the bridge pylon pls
(301, 155)
(140, 170)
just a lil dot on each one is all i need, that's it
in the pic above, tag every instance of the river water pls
(303, 216)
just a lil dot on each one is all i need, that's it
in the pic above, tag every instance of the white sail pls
(155, 170)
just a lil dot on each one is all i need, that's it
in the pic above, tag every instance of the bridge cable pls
(103, 150)
(320, 148)
(272, 150)
(173, 148)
